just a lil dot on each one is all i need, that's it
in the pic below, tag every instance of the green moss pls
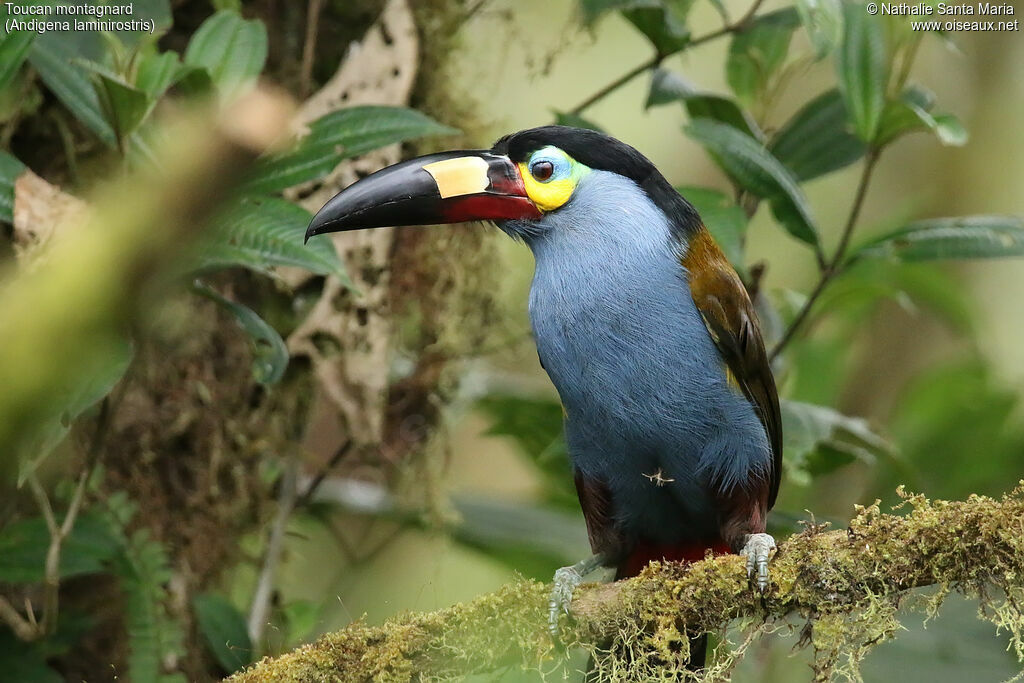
(846, 585)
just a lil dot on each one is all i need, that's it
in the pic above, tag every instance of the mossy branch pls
(847, 584)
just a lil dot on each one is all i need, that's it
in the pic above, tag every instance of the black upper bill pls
(469, 185)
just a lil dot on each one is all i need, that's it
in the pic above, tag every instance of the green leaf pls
(816, 140)
(25, 662)
(667, 86)
(756, 170)
(508, 531)
(949, 130)
(300, 618)
(143, 572)
(757, 52)
(224, 629)
(52, 56)
(14, 50)
(719, 6)
(535, 425)
(912, 113)
(823, 21)
(270, 353)
(863, 69)
(592, 10)
(262, 232)
(818, 440)
(665, 30)
(24, 545)
(123, 105)
(232, 49)
(950, 238)
(89, 387)
(342, 134)
(10, 169)
(726, 221)
(156, 72)
(575, 120)
(193, 81)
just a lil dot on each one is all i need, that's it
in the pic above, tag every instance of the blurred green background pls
(223, 470)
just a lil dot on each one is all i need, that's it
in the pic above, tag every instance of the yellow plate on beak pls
(459, 176)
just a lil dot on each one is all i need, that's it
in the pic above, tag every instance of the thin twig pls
(51, 580)
(22, 627)
(472, 11)
(657, 59)
(319, 477)
(260, 608)
(28, 629)
(616, 84)
(735, 26)
(309, 46)
(835, 266)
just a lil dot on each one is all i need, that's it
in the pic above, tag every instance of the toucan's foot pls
(565, 582)
(757, 548)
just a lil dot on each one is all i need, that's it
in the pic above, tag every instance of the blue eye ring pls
(549, 164)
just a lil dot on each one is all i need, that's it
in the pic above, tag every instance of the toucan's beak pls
(449, 187)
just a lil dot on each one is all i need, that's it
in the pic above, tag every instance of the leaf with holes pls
(816, 140)
(754, 169)
(260, 233)
(342, 134)
(966, 237)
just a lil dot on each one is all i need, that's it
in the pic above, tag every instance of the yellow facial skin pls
(555, 192)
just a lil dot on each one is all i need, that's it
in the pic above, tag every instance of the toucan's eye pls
(550, 177)
(542, 170)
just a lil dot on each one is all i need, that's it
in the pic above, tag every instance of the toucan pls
(646, 331)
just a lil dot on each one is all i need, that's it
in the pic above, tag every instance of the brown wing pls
(596, 501)
(731, 320)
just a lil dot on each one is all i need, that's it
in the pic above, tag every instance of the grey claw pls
(757, 549)
(565, 582)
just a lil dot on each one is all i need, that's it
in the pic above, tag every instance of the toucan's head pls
(522, 184)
